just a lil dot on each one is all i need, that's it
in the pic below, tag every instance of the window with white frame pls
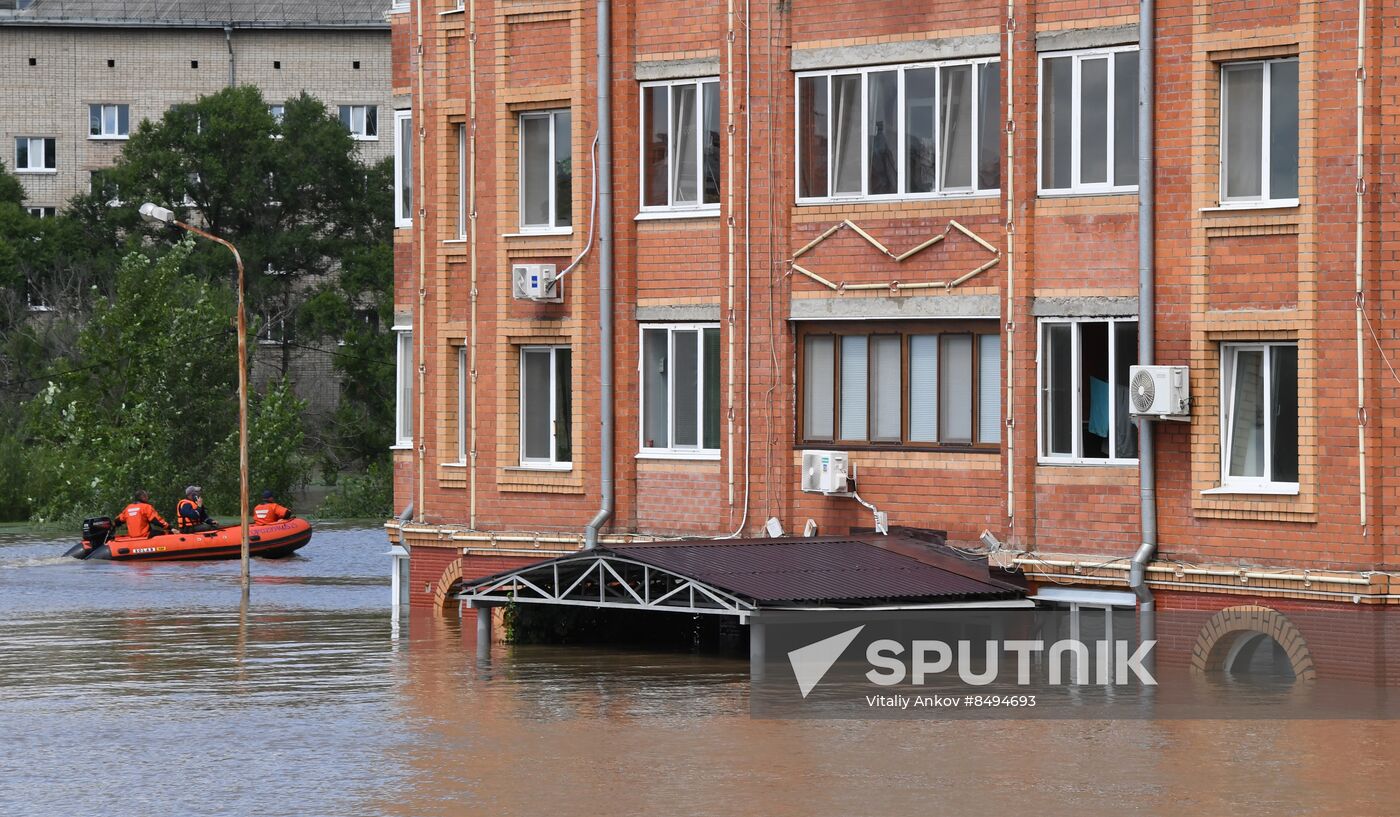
(403, 407)
(546, 406)
(1088, 121)
(680, 389)
(1084, 367)
(680, 145)
(403, 169)
(916, 385)
(42, 212)
(106, 121)
(278, 112)
(361, 120)
(907, 131)
(546, 171)
(463, 394)
(102, 184)
(35, 154)
(1259, 132)
(463, 173)
(1259, 418)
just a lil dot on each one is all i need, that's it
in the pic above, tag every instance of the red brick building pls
(908, 232)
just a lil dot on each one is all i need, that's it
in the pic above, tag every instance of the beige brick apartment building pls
(80, 75)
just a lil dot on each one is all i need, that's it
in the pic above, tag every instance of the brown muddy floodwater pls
(145, 690)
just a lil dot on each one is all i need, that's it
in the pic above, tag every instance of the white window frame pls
(864, 72)
(552, 114)
(41, 211)
(671, 450)
(403, 210)
(361, 135)
(463, 379)
(1076, 379)
(44, 146)
(462, 173)
(403, 378)
(671, 206)
(116, 132)
(542, 463)
(278, 112)
(1263, 199)
(1076, 187)
(1249, 485)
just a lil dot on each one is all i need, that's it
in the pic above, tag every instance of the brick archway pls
(443, 595)
(1229, 628)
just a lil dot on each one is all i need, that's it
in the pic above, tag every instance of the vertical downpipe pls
(1009, 318)
(232, 60)
(605, 271)
(1360, 268)
(420, 227)
(471, 216)
(1147, 474)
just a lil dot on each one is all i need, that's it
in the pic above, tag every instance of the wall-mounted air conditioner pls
(1163, 392)
(827, 472)
(536, 282)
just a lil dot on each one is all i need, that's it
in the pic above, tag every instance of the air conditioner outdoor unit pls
(1163, 392)
(535, 282)
(826, 472)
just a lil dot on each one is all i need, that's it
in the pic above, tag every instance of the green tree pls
(149, 398)
(292, 195)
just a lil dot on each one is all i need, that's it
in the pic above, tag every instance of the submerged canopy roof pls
(200, 13)
(739, 576)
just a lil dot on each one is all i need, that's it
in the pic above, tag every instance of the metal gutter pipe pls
(232, 61)
(603, 173)
(1147, 476)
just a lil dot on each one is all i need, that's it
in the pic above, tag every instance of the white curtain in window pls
(955, 388)
(956, 115)
(886, 394)
(989, 389)
(923, 388)
(535, 171)
(819, 374)
(846, 153)
(685, 150)
(855, 386)
(1244, 122)
(1247, 414)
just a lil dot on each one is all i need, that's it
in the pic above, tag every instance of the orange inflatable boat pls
(269, 541)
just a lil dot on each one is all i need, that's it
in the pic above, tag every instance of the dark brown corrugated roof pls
(909, 566)
(861, 569)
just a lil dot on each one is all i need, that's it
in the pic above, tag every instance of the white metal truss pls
(602, 580)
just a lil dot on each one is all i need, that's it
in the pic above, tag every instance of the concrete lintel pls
(678, 313)
(1085, 306)
(1072, 39)
(650, 70)
(885, 307)
(941, 48)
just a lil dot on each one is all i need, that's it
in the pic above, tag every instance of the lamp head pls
(157, 214)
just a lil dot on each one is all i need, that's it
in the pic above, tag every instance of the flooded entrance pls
(145, 689)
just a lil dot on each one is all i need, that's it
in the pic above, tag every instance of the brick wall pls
(1283, 273)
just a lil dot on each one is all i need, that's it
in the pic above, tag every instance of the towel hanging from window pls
(1098, 407)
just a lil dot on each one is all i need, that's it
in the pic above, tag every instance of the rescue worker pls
(139, 516)
(190, 514)
(269, 512)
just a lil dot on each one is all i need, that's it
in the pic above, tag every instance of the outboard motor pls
(97, 531)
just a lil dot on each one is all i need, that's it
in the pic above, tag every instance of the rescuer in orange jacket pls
(269, 512)
(139, 516)
(190, 515)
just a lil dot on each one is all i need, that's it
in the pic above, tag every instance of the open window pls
(1084, 366)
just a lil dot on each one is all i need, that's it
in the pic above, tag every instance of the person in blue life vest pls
(190, 515)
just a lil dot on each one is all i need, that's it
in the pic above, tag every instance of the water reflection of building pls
(977, 375)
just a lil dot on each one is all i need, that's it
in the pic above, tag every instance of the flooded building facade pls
(909, 234)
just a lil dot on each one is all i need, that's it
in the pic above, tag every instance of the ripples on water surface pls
(146, 690)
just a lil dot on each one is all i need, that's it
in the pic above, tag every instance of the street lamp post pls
(161, 215)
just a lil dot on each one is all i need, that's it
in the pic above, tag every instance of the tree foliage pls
(150, 400)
